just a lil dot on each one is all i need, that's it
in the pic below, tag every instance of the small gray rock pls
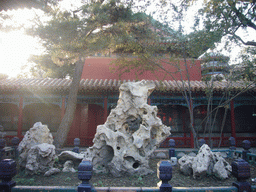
(68, 167)
(51, 171)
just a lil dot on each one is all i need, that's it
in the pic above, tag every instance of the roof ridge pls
(58, 84)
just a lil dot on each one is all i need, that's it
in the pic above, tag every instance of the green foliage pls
(23, 179)
(98, 184)
(56, 160)
(139, 180)
(93, 28)
(215, 57)
(47, 68)
(247, 69)
(124, 64)
(200, 41)
(227, 17)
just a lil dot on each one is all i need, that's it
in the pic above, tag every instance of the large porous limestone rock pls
(130, 135)
(40, 158)
(205, 163)
(37, 135)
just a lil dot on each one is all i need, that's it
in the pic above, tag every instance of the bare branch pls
(242, 18)
(251, 43)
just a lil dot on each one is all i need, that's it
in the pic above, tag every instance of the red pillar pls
(19, 132)
(105, 116)
(183, 126)
(233, 124)
(63, 107)
(191, 133)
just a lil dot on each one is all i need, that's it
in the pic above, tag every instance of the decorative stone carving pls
(40, 158)
(131, 133)
(38, 134)
(205, 162)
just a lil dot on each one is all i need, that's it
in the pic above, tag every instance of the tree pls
(71, 36)
(228, 17)
(246, 70)
(45, 67)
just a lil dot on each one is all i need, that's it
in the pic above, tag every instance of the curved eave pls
(62, 86)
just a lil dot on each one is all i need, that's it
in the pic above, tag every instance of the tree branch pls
(242, 18)
(251, 43)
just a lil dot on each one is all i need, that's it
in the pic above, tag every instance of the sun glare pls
(15, 46)
(21, 17)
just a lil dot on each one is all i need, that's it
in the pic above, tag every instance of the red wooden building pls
(26, 101)
(98, 68)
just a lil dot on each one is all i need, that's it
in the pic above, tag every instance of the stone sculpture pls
(37, 152)
(205, 163)
(130, 135)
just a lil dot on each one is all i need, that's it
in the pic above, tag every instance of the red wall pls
(98, 68)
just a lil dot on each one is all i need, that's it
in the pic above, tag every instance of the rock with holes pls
(221, 168)
(185, 164)
(205, 163)
(36, 135)
(130, 135)
(40, 158)
(173, 161)
(202, 162)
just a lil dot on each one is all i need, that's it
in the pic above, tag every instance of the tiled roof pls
(62, 85)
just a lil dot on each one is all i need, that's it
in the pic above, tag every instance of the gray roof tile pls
(113, 85)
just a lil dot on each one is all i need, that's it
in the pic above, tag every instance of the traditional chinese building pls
(24, 102)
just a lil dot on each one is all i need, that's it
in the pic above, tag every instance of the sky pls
(15, 50)
(16, 47)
